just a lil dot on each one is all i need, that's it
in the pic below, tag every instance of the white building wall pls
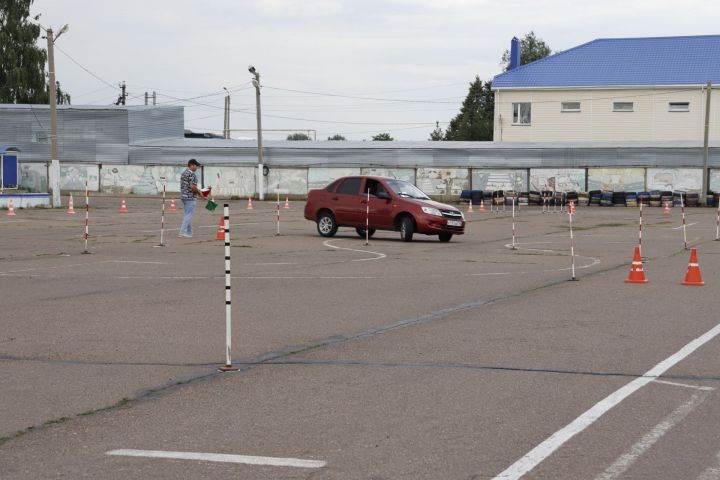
(650, 119)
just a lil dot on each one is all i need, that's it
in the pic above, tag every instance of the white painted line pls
(221, 457)
(538, 454)
(685, 385)
(626, 460)
(711, 473)
(688, 225)
(379, 255)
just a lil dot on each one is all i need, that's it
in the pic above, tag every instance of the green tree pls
(383, 137)
(532, 48)
(437, 134)
(298, 136)
(337, 136)
(22, 62)
(475, 120)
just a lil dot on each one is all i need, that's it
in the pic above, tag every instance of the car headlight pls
(432, 211)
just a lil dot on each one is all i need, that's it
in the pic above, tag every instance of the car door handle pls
(335, 198)
(363, 201)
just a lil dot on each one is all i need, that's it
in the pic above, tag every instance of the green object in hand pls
(210, 205)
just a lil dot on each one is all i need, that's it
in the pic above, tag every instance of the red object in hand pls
(206, 191)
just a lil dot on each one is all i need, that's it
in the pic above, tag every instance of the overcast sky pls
(426, 50)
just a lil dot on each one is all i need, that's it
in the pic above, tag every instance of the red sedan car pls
(393, 205)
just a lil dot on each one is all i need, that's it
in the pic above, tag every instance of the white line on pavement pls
(711, 473)
(685, 385)
(688, 225)
(379, 255)
(626, 460)
(538, 454)
(220, 457)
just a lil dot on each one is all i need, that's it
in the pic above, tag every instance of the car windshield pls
(406, 190)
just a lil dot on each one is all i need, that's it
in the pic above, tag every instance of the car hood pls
(431, 203)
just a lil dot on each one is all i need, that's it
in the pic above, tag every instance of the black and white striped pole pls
(367, 218)
(228, 294)
(278, 210)
(87, 218)
(162, 219)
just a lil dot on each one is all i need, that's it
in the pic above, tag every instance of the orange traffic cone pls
(637, 274)
(666, 211)
(249, 207)
(123, 207)
(693, 276)
(71, 206)
(482, 206)
(287, 204)
(11, 209)
(172, 205)
(220, 235)
(470, 209)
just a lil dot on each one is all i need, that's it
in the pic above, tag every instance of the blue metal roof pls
(8, 148)
(623, 61)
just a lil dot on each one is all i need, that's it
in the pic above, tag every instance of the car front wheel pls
(407, 229)
(326, 224)
(445, 236)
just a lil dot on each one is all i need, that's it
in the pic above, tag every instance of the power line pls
(88, 71)
(357, 97)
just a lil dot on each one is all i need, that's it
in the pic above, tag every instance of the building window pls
(570, 107)
(521, 113)
(622, 106)
(679, 107)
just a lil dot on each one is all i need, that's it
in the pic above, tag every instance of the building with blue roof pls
(613, 89)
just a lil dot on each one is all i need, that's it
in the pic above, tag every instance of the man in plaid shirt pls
(189, 192)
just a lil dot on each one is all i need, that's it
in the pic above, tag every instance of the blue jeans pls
(189, 207)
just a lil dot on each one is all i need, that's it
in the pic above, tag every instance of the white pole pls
(640, 230)
(367, 218)
(717, 221)
(278, 210)
(162, 219)
(513, 222)
(572, 246)
(87, 216)
(228, 293)
(682, 205)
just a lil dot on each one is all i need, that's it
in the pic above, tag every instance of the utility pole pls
(226, 126)
(154, 97)
(706, 149)
(256, 84)
(146, 98)
(54, 172)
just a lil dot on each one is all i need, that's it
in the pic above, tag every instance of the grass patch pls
(56, 421)
(4, 439)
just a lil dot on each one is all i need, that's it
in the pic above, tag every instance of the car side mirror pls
(383, 195)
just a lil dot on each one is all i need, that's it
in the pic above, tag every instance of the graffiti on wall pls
(33, 177)
(287, 181)
(443, 181)
(140, 180)
(715, 180)
(499, 179)
(73, 177)
(616, 179)
(557, 179)
(670, 179)
(231, 181)
(407, 174)
(321, 177)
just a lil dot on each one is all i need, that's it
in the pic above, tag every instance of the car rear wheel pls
(445, 236)
(326, 224)
(407, 229)
(361, 232)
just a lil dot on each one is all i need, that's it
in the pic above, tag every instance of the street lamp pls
(226, 121)
(256, 84)
(54, 172)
